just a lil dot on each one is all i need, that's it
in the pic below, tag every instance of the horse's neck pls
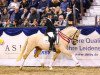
(68, 31)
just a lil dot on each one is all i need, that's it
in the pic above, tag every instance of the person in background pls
(15, 23)
(4, 3)
(34, 23)
(98, 21)
(57, 12)
(24, 14)
(24, 4)
(5, 15)
(54, 3)
(42, 3)
(64, 5)
(61, 21)
(1, 25)
(14, 4)
(16, 15)
(33, 3)
(69, 16)
(25, 23)
(46, 10)
(33, 15)
(43, 22)
(8, 23)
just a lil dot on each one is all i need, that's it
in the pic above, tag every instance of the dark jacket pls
(42, 4)
(50, 26)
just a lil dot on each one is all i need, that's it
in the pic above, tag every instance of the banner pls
(87, 52)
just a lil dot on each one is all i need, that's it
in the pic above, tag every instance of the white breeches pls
(51, 34)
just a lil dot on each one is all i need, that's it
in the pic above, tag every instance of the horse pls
(39, 41)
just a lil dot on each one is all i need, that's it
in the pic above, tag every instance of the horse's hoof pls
(20, 68)
(50, 68)
(77, 64)
(42, 64)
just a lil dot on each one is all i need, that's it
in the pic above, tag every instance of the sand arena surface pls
(46, 71)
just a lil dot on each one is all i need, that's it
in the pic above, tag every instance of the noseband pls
(74, 36)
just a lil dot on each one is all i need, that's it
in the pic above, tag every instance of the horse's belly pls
(43, 43)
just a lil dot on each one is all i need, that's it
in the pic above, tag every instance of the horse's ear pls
(79, 30)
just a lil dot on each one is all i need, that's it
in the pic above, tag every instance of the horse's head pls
(74, 36)
(72, 33)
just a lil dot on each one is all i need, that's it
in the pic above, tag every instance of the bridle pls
(66, 38)
(74, 36)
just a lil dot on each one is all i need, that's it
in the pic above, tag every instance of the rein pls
(66, 38)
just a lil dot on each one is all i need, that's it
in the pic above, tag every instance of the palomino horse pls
(40, 42)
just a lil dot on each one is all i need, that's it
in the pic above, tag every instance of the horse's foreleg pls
(68, 53)
(55, 56)
(76, 61)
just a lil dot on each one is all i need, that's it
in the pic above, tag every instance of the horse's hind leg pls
(38, 51)
(68, 53)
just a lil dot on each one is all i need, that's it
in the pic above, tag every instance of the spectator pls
(46, 10)
(43, 22)
(4, 3)
(33, 3)
(54, 3)
(33, 15)
(25, 23)
(24, 14)
(34, 23)
(61, 21)
(13, 5)
(39, 9)
(76, 2)
(5, 15)
(57, 12)
(42, 3)
(16, 15)
(86, 4)
(9, 1)
(16, 23)
(64, 5)
(8, 23)
(1, 25)
(24, 4)
(69, 16)
(98, 21)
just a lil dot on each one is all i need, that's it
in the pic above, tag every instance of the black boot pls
(52, 45)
